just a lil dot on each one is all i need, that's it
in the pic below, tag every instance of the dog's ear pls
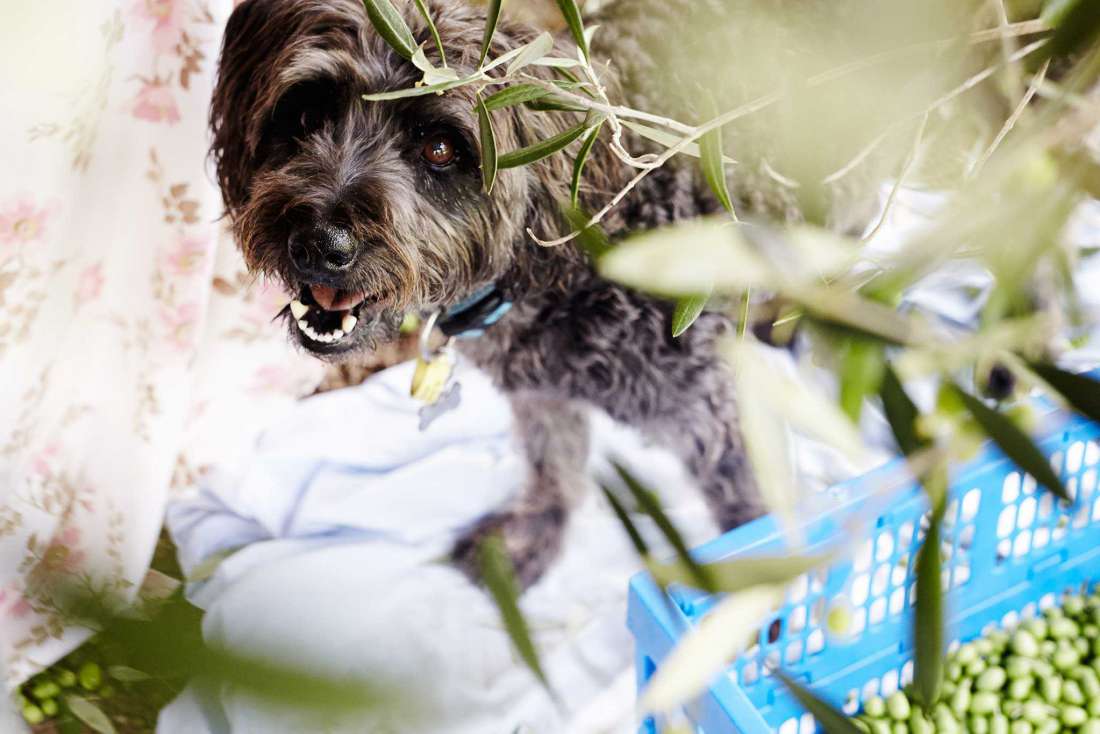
(250, 35)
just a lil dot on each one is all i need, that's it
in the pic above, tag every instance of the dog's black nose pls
(321, 250)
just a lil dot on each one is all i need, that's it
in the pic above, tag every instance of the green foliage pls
(710, 147)
(493, 17)
(391, 26)
(431, 27)
(489, 160)
(1014, 442)
(687, 311)
(572, 15)
(542, 149)
(928, 621)
(827, 715)
(499, 578)
(581, 159)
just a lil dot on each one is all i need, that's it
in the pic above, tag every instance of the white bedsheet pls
(346, 508)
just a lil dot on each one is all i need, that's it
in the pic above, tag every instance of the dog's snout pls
(320, 251)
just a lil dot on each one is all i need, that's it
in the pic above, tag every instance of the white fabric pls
(346, 509)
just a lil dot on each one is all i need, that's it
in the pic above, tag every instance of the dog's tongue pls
(334, 299)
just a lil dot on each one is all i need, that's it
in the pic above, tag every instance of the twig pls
(761, 103)
(1010, 123)
(909, 159)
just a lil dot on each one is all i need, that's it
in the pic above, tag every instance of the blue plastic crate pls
(1010, 549)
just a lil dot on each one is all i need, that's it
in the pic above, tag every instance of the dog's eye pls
(438, 150)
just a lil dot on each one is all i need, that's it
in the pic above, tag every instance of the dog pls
(372, 210)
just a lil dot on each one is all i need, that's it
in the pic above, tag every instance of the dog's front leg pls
(554, 435)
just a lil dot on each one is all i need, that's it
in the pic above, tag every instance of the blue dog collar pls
(469, 318)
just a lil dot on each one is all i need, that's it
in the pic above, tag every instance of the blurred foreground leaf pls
(928, 620)
(861, 374)
(706, 649)
(901, 413)
(1014, 443)
(737, 574)
(827, 716)
(1082, 393)
(649, 504)
(90, 714)
(623, 516)
(391, 26)
(499, 576)
(687, 311)
(1077, 24)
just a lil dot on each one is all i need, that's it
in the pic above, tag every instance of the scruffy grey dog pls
(370, 210)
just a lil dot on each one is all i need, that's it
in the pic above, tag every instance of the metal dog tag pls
(446, 403)
(433, 380)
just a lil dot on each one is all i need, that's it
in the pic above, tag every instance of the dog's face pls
(366, 210)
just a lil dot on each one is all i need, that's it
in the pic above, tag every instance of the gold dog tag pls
(431, 377)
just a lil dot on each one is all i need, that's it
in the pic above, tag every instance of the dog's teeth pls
(299, 309)
(348, 323)
(303, 325)
(337, 335)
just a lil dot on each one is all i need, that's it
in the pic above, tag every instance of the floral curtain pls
(134, 349)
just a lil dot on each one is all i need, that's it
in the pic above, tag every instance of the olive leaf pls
(491, 20)
(581, 159)
(1014, 442)
(549, 104)
(687, 310)
(928, 620)
(420, 91)
(628, 525)
(710, 147)
(514, 95)
(648, 503)
(1076, 26)
(434, 31)
(734, 575)
(532, 52)
(432, 74)
(92, 716)
(900, 412)
(590, 237)
(541, 149)
(668, 140)
(127, 674)
(391, 26)
(499, 576)
(861, 370)
(572, 15)
(827, 716)
(489, 160)
(1082, 393)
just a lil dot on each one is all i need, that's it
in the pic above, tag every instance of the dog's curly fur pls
(295, 146)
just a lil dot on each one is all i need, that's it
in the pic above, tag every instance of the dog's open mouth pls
(327, 315)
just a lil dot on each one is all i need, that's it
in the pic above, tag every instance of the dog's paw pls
(531, 540)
